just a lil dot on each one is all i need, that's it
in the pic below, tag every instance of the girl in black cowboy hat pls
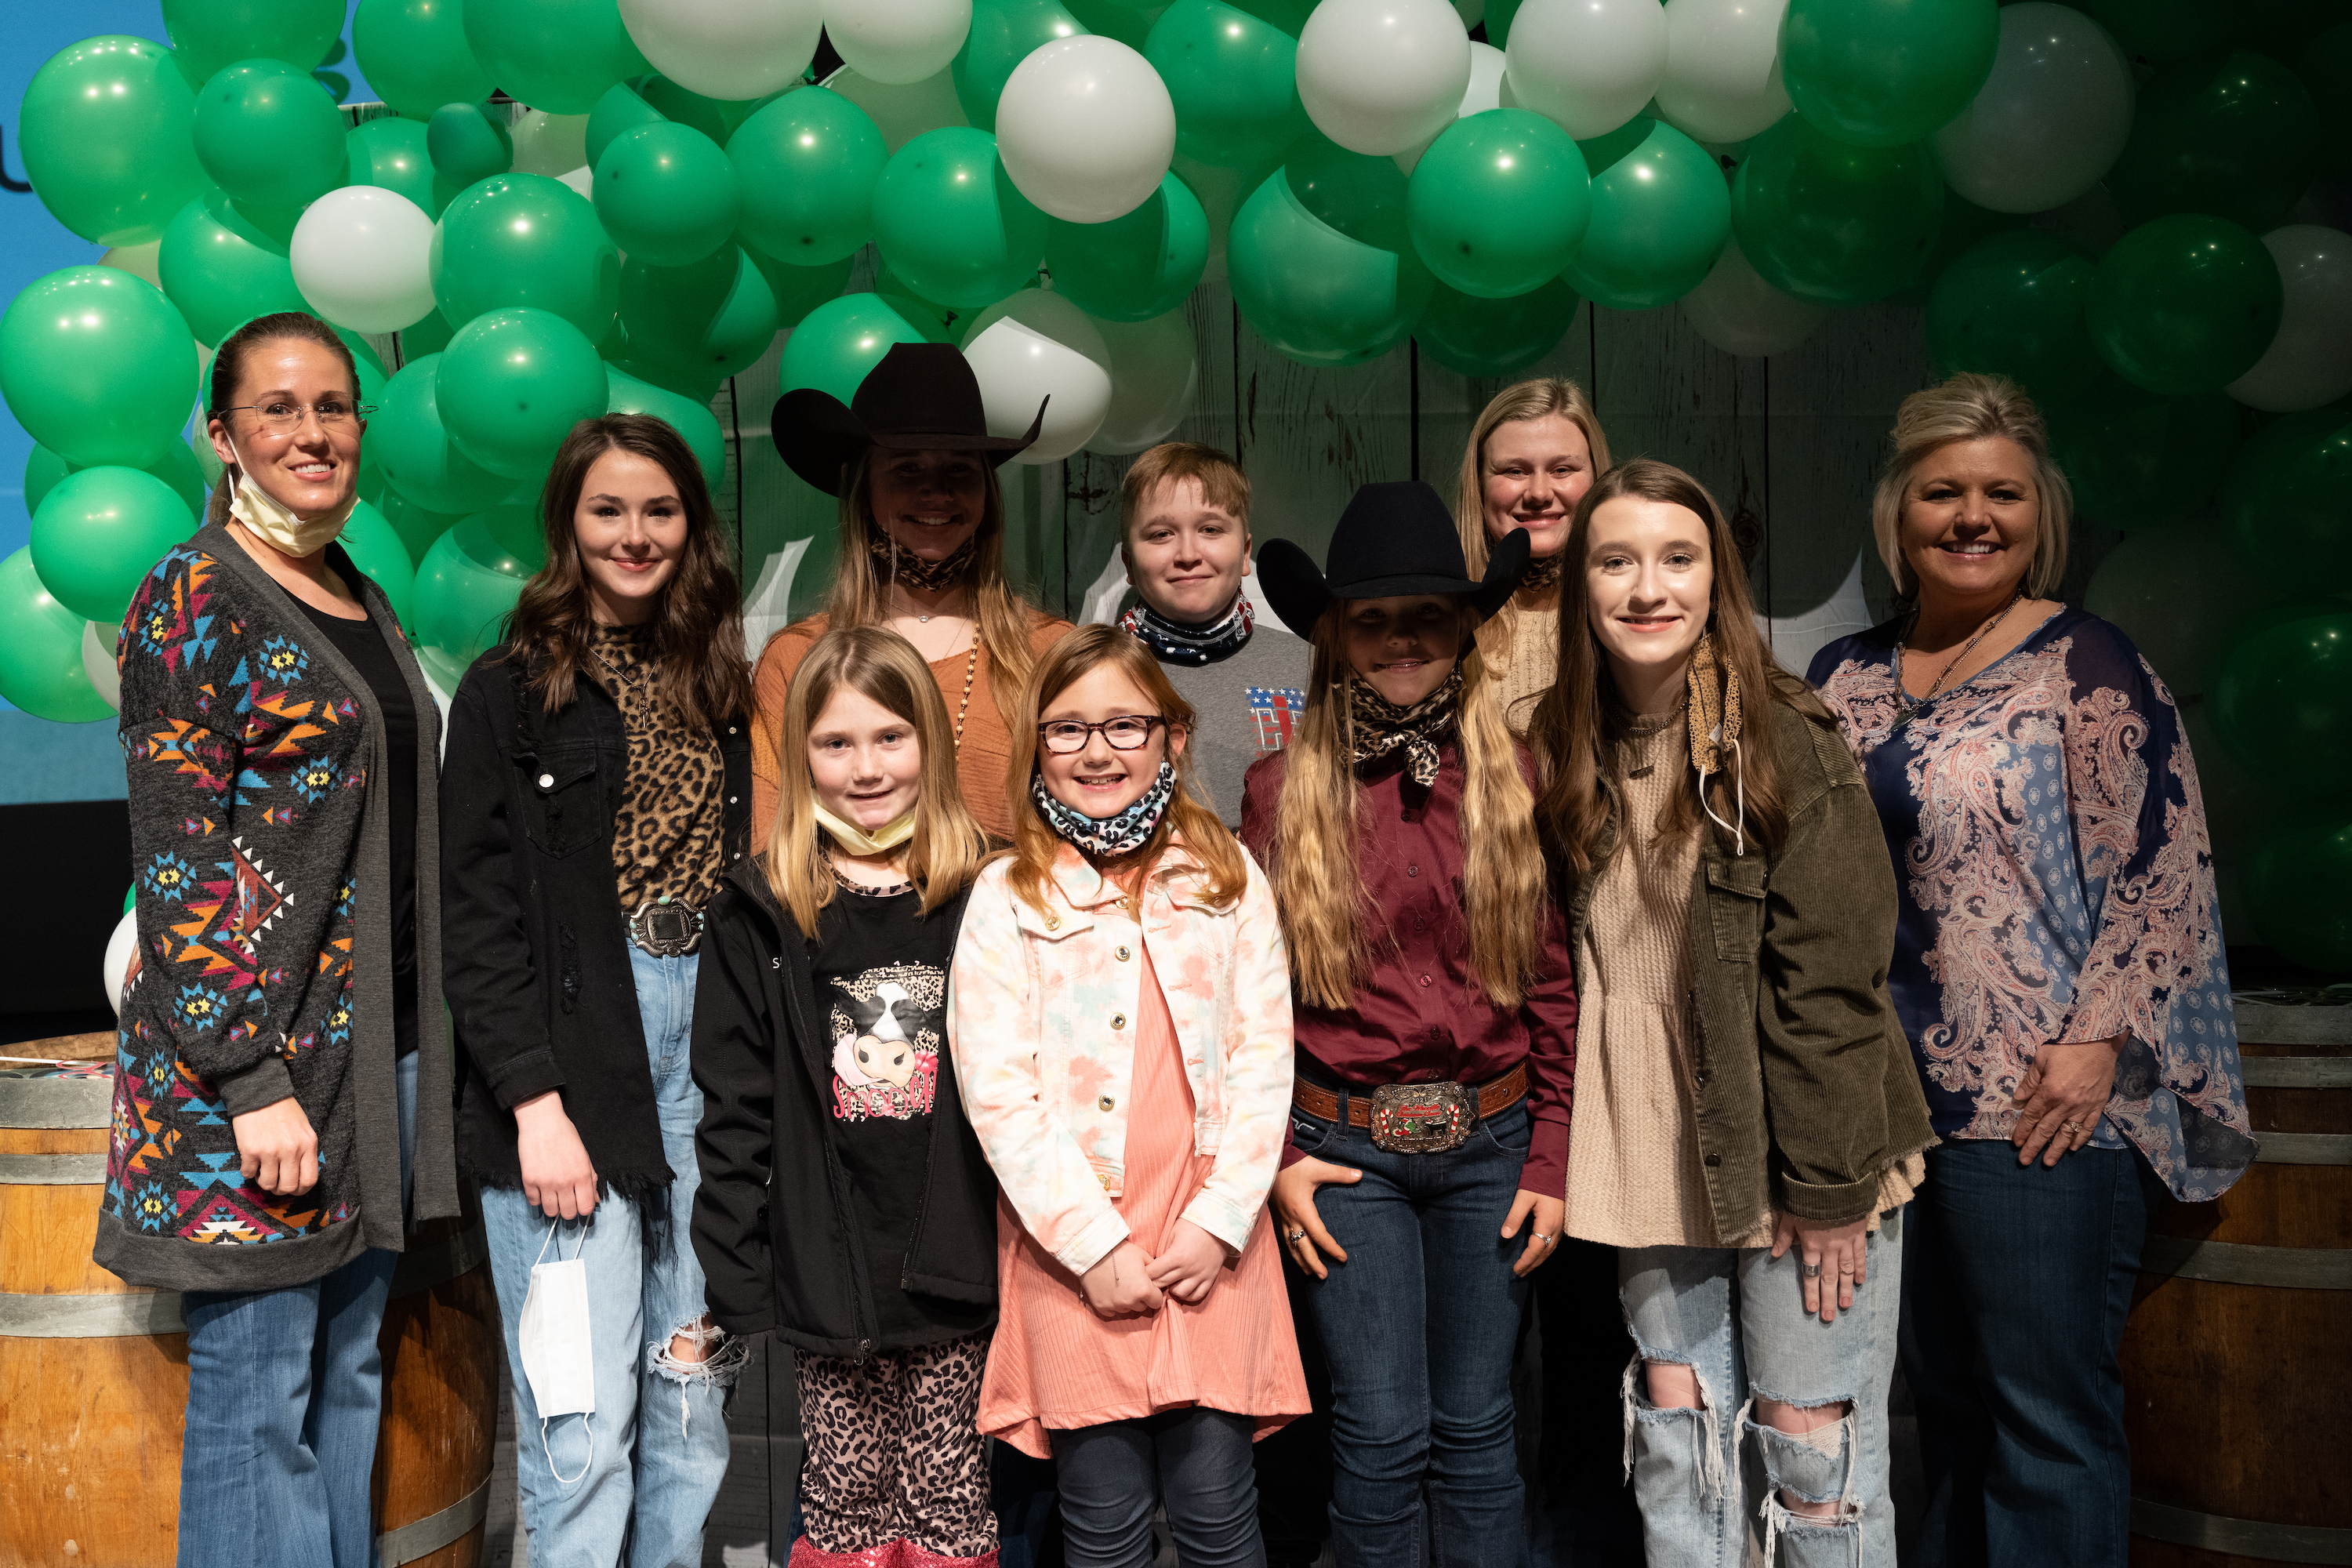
(1435, 1024)
(922, 553)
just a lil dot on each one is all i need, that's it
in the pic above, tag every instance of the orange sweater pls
(980, 761)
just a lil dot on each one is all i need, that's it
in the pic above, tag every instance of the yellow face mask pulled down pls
(260, 511)
(857, 841)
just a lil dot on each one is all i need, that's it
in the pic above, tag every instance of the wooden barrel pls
(2238, 1360)
(94, 1373)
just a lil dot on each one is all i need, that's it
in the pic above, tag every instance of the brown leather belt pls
(1415, 1118)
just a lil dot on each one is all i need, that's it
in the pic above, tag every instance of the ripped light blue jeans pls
(644, 1470)
(1710, 1480)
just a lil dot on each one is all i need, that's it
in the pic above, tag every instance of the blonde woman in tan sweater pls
(1747, 1125)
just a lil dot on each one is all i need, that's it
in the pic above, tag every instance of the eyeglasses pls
(281, 418)
(1127, 732)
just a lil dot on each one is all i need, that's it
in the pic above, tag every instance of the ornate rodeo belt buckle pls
(1422, 1117)
(665, 929)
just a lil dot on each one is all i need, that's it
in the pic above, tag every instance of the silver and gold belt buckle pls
(665, 929)
(1422, 1117)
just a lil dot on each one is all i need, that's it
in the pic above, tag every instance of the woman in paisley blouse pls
(2058, 968)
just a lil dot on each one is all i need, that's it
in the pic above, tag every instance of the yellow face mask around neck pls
(857, 841)
(298, 536)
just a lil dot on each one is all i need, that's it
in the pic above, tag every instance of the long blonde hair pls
(1537, 399)
(1973, 408)
(1317, 882)
(860, 591)
(1036, 847)
(948, 846)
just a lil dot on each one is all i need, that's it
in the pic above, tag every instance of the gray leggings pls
(1196, 1461)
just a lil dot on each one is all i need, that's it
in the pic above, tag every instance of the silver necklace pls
(1905, 708)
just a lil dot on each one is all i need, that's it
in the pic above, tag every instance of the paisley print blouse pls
(2057, 886)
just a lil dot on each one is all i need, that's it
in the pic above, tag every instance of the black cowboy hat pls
(920, 395)
(1394, 538)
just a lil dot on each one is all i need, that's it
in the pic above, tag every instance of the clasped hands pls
(1127, 1282)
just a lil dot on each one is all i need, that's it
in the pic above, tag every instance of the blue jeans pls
(593, 1484)
(285, 1390)
(1195, 1461)
(2015, 1288)
(1736, 1318)
(1420, 1324)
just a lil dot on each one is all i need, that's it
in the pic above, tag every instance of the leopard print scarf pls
(897, 562)
(1380, 727)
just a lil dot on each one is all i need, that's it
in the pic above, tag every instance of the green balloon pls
(98, 367)
(1881, 73)
(1140, 265)
(40, 649)
(2185, 303)
(2288, 498)
(1003, 33)
(376, 547)
(105, 127)
(429, 336)
(1112, 19)
(267, 135)
(1473, 336)
(512, 384)
(555, 55)
(805, 171)
(2181, 603)
(2294, 884)
(1498, 203)
(2162, 29)
(797, 289)
(177, 467)
(2012, 305)
(222, 270)
(467, 144)
(947, 219)
(715, 118)
(1661, 213)
(1234, 80)
(416, 526)
(525, 240)
(467, 585)
(836, 343)
(2235, 136)
(711, 320)
(666, 194)
(938, 323)
(1500, 14)
(1363, 197)
(1965, 224)
(623, 108)
(394, 155)
(1312, 292)
(413, 53)
(2137, 458)
(692, 420)
(96, 533)
(2283, 698)
(1830, 222)
(2325, 67)
(42, 469)
(210, 34)
(415, 453)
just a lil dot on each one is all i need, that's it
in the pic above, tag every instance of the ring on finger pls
(1293, 1235)
(1812, 1270)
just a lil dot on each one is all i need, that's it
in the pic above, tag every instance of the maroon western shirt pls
(1420, 1016)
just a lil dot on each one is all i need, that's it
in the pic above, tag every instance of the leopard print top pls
(669, 834)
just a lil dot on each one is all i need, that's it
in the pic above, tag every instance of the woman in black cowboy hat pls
(922, 553)
(1435, 1017)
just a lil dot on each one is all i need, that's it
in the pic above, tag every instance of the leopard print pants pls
(894, 1457)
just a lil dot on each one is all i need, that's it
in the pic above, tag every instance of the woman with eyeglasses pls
(281, 1101)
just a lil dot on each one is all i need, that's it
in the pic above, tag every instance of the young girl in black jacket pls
(844, 1203)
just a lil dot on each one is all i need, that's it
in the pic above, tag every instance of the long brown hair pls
(860, 595)
(1035, 845)
(1317, 882)
(698, 627)
(948, 846)
(229, 371)
(1582, 722)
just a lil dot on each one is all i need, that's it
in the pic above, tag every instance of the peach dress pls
(1055, 1364)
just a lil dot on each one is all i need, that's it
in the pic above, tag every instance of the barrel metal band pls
(2234, 1263)
(435, 1530)
(2241, 1537)
(2297, 1072)
(52, 1169)
(55, 1102)
(2305, 1148)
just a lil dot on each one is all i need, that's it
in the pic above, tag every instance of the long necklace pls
(970, 668)
(1905, 708)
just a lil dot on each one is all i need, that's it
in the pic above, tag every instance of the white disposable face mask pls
(297, 536)
(558, 1360)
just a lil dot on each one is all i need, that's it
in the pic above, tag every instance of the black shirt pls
(881, 973)
(364, 643)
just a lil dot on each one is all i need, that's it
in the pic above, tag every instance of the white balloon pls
(1723, 68)
(362, 258)
(2049, 120)
(549, 145)
(1741, 313)
(2310, 361)
(897, 41)
(1484, 92)
(97, 663)
(139, 260)
(902, 112)
(1588, 65)
(1019, 367)
(1055, 316)
(725, 48)
(1086, 128)
(1154, 369)
(117, 962)
(1381, 75)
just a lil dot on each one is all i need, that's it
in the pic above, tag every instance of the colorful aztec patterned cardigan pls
(265, 964)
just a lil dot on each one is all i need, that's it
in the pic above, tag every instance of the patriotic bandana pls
(1380, 726)
(1180, 643)
(897, 561)
(1123, 834)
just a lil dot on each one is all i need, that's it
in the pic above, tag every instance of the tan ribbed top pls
(1530, 662)
(1633, 1172)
